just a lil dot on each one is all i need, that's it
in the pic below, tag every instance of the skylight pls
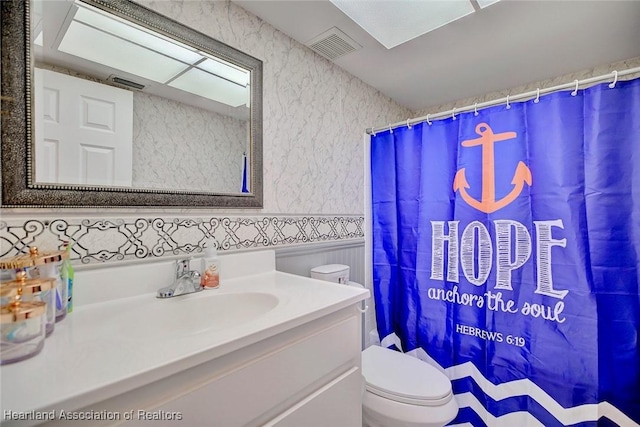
(485, 3)
(205, 84)
(122, 45)
(82, 40)
(393, 23)
(135, 35)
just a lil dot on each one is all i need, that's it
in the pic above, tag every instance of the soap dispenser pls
(210, 267)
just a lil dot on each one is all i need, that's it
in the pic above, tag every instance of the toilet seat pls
(405, 379)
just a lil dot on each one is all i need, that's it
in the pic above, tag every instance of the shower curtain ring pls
(575, 91)
(537, 96)
(475, 109)
(508, 105)
(390, 130)
(615, 79)
(453, 113)
(428, 122)
(408, 125)
(373, 132)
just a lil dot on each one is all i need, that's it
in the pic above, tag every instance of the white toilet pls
(399, 390)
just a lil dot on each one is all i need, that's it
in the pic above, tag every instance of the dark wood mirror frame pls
(18, 186)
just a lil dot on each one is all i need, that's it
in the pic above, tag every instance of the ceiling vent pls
(128, 84)
(333, 44)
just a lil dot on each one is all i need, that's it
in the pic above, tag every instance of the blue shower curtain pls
(506, 250)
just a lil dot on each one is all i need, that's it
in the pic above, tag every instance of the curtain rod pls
(613, 76)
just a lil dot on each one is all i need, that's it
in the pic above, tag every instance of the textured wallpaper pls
(182, 147)
(567, 78)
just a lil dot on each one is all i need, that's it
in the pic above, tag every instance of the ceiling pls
(508, 44)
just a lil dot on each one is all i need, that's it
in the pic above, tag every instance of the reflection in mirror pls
(124, 107)
(117, 104)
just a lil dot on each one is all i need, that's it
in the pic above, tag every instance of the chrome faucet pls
(186, 281)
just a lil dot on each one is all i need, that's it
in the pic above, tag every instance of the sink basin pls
(194, 314)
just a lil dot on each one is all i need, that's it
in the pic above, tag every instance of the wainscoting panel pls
(301, 259)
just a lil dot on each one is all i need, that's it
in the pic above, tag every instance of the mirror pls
(107, 103)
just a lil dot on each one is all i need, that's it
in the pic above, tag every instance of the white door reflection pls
(83, 132)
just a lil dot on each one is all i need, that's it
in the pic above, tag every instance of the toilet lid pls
(404, 378)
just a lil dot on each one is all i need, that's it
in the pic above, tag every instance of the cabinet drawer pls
(277, 379)
(338, 403)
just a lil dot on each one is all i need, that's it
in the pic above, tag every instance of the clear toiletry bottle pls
(210, 268)
(68, 269)
(49, 265)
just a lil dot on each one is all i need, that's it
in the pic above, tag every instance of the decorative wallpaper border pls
(101, 240)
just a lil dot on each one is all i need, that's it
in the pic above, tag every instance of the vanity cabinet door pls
(308, 380)
(338, 403)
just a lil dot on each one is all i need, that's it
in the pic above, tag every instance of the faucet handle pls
(182, 267)
(195, 280)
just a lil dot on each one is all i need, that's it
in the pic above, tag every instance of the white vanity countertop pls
(95, 354)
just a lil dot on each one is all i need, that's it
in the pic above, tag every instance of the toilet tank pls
(337, 273)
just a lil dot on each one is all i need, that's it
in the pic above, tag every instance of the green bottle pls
(68, 273)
